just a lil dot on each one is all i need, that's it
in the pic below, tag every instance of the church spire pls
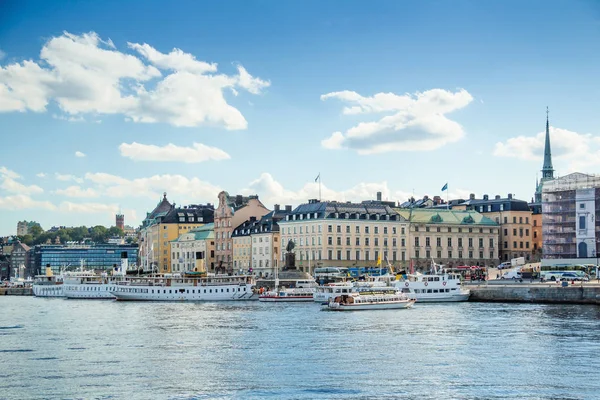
(547, 169)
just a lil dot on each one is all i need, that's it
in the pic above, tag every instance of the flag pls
(445, 187)
(318, 177)
(379, 260)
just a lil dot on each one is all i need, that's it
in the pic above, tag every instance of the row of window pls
(450, 230)
(526, 231)
(521, 244)
(449, 241)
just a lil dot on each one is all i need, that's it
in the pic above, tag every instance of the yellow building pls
(194, 251)
(242, 246)
(164, 224)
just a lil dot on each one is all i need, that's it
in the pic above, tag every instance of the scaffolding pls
(559, 214)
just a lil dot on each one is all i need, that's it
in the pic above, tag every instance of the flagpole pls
(447, 203)
(319, 187)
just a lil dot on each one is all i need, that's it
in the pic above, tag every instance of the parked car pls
(514, 274)
(505, 265)
(570, 276)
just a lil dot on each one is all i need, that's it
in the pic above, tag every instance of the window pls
(491, 242)
(416, 229)
(520, 220)
(534, 234)
(339, 241)
(427, 242)
(329, 228)
(515, 231)
(416, 253)
(449, 253)
(366, 241)
(459, 242)
(582, 206)
(526, 245)
(470, 242)
(506, 220)
(376, 230)
(449, 230)
(526, 220)
(439, 254)
(347, 228)
(428, 254)
(394, 242)
(506, 245)
(300, 232)
(385, 230)
(520, 245)
(505, 232)
(417, 242)
(393, 230)
(515, 245)
(376, 242)
(338, 229)
(403, 242)
(347, 254)
(460, 254)
(426, 229)
(403, 256)
(357, 255)
(449, 242)
(402, 231)
(339, 254)
(481, 254)
(385, 242)
(514, 220)
(393, 256)
(367, 255)
(582, 222)
(491, 254)
(330, 240)
(348, 241)
(366, 229)
(358, 241)
(481, 243)
(470, 253)
(330, 254)
(357, 229)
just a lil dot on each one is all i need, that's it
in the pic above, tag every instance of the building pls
(230, 213)
(515, 218)
(331, 233)
(23, 227)
(242, 246)
(451, 237)
(120, 221)
(20, 261)
(194, 250)
(570, 212)
(266, 242)
(100, 257)
(164, 224)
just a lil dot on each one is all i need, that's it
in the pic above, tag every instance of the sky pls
(106, 105)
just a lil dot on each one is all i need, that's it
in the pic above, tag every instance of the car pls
(511, 275)
(505, 265)
(570, 276)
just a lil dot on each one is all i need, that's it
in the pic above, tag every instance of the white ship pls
(48, 285)
(389, 299)
(188, 287)
(89, 285)
(439, 286)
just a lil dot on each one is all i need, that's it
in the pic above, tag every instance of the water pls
(56, 348)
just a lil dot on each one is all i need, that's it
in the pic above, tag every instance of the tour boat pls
(375, 300)
(48, 285)
(439, 286)
(186, 288)
(325, 292)
(88, 285)
(288, 295)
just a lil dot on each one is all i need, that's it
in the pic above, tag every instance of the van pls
(505, 265)
(514, 274)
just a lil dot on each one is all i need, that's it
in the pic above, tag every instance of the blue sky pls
(398, 97)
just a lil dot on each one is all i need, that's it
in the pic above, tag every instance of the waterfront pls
(57, 348)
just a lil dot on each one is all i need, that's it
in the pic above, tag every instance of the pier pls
(16, 291)
(536, 292)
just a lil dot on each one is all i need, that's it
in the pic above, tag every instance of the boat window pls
(204, 290)
(435, 291)
(437, 278)
(428, 290)
(221, 290)
(210, 290)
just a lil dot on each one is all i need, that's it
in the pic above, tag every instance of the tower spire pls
(547, 169)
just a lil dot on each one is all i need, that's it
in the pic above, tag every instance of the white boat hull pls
(48, 290)
(286, 299)
(367, 306)
(439, 297)
(98, 291)
(184, 293)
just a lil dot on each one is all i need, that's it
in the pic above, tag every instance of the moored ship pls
(439, 286)
(48, 285)
(188, 287)
(389, 299)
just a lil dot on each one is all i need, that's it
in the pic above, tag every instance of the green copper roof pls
(206, 231)
(446, 217)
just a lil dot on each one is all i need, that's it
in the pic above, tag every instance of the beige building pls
(266, 242)
(451, 237)
(516, 220)
(194, 251)
(230, 213)
(344, 234)
(242, 246)
(164, 224)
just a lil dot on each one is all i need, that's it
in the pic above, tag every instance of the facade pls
(231, 212)
(164, 224)
(20, 261)
(451, 237)
(330, 233)
(516, 220)
(22, 228)
(242, 246)
(570, 212)
(266, 242)
(120, 221)
(194, 250)
(70, 257)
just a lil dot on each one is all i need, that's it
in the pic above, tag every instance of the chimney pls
(472, 196)
(485, 197)
(252, 219)
(378, 196)
(497, 197)
(510, 195)
(276, 207)
(288, 208)
(238, 199)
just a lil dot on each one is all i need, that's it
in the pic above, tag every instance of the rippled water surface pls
(56, 348)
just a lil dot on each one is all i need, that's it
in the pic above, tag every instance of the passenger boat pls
(287, 295)
(439, 286)
(88, 285)
(390, 299)
(325, 292)
(189, 287)
(48, 285)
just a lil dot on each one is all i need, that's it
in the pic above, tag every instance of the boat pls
(437, 286)
(301, 290)
(48, 285)
(84, 284)
(325, 292)
(186, 287)
(388, 299)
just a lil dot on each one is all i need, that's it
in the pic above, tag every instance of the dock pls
(536, 292)
(16, 291)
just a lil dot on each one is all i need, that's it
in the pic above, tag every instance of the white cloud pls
(12, 186)
(7, 173)
(195, 154)
(2, 55)
(41, 175)
(414, 122)
(67, 177)
(22, 202)
(91, 208)
(84, 74)
(571, 151)
(77, 191)
(79, 154)
(178, 187)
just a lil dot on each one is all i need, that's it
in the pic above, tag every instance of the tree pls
(26, 239)
(35, 230)
(116, 231)
(99, 234)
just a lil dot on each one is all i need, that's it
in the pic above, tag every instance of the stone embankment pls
(577, 293)
(16, 291)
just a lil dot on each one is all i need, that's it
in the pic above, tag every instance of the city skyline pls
(102, 114)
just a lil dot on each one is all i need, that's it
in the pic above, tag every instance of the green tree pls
(116, 231)
(35, 230)
(26, 239)
(99, 234)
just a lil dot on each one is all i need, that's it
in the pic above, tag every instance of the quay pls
(536, 292)
(16, 291)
